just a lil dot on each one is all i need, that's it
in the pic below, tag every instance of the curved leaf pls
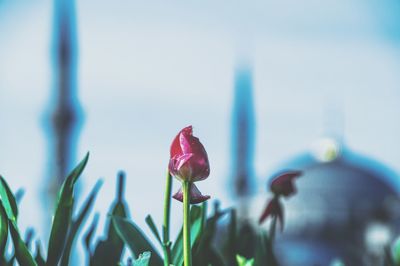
(8, 199)
(89, 235)
(9, 207)
(135, 239)
(3, 232)
(38, 257)
(76, 223)
(153, 228)
(62, 217)
(109, 251)
(196, 222)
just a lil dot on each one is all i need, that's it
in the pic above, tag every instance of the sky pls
(147, 69)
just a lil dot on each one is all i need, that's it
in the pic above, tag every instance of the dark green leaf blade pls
(39, 257)
(9, 202)
(9, 208)
(63, 214)
(203, 252)
(196, 216)
(135, 239)
(153, 228)
(22, 253)
(76, 223)
(109, 250)
(89, 235)
(3, 232)
(264, 255)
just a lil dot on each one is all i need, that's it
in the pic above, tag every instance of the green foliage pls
(109, 250)
(63, 214)
(77, 222)
(242, 261)
(135, 239)
(143, 260)
(239, 242)
(196, 214)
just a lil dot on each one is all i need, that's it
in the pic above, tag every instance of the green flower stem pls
(272, 229)
(167, 210)
(187, 254)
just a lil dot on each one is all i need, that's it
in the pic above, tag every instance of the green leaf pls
(135, 239)
(29, 236)
(39, 257)
(229, 247)
(9, 202)
(143, 260)
(3, 232)
(203, 252)
(63, 214)
(153, 228)
(22, 253)
(19, 194)
(89, 235)
(77, 222)
(264, 255)
(242, 261)
(196, 215)
(396, 251)
(109, 251)
(9, 208)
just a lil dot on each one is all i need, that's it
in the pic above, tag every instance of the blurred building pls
(347, 207)
(347, 204)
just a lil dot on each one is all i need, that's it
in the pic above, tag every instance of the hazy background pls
(149, 68)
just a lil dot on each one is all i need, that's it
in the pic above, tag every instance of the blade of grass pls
(9, 202)
(89, 235)
(109, 251)
(135, 239)
(63, 214)
(153, 228)
(3, 232)
(195, 223)
(39, 257)
(9, 208)
(77, 222)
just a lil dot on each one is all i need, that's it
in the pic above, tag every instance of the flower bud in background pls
(189, 163)
(283, 183)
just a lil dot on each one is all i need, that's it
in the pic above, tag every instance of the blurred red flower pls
(283, 183)
(273, 209)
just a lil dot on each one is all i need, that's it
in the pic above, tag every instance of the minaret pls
(63, 120)
(243, 135)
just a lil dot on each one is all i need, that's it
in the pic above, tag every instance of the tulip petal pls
(189, 160)
(273, 209)
(195, 195)
(268, 211)
(283, 183)
(176, 143)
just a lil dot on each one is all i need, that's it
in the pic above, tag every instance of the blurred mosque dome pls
(346, 207)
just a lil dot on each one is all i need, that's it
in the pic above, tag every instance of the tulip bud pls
(188, 160)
